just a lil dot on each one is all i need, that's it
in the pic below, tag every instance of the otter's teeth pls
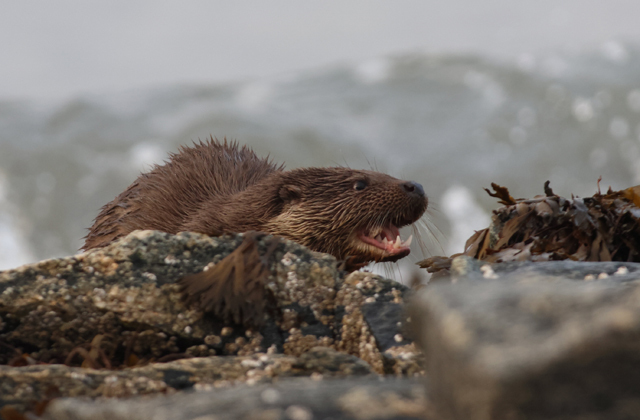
(407, 243)
(391, 244)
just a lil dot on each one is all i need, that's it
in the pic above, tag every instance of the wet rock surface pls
(292, 399)
(552, 340)
(115, 312)
(22, 387)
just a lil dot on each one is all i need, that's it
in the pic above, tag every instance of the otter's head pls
(351, 214)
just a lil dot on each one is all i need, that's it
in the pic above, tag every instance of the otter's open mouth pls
(387, 238)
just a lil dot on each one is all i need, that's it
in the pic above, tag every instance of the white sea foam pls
(14, 248)
(465, 216)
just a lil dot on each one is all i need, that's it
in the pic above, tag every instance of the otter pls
(217, 188)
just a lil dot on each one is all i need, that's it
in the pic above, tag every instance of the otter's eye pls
(359, 185)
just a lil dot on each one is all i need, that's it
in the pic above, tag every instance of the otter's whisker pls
(418, 235)
(436, 236)
(434, 210)
(430, 212)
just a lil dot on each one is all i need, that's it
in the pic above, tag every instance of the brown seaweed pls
(604, 227)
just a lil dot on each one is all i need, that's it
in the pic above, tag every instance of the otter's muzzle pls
(413, 189)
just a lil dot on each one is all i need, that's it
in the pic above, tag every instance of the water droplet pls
(475, 79)
(145, 154)
(619, 127)
(583, 109)
(254, 95)
(615, 51)
(373, 71)
(526, 62)
(603, 98)
(518, 135)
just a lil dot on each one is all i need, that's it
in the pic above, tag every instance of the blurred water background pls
(454, 95)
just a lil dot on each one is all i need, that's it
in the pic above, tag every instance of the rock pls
(369, 336)
(20, 387)
(299, 399)
(465, 268)
(120, 307)
(552, 340)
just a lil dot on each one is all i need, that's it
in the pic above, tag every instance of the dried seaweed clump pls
(604, 227)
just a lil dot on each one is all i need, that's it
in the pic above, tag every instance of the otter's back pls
(165, 197)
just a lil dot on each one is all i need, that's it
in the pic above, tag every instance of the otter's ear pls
(290, 193)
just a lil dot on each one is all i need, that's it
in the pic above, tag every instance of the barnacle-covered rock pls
(121, 307)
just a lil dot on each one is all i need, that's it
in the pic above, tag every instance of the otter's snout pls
(413, 189)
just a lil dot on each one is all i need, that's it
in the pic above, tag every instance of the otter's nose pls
(413, 188)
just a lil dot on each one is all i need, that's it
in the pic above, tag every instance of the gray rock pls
(465, 268)
(20, 387)
(300, 399)
(555, 340)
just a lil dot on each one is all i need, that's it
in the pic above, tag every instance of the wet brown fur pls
(217, 187)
